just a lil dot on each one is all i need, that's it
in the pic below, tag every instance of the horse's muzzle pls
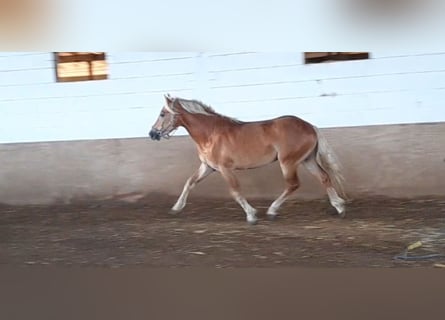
(155, 135)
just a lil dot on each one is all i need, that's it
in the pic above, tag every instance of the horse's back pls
(286, 125)
(283, 133)
(295, 122)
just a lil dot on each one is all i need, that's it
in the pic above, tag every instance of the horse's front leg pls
(203, 171)
(234, 188)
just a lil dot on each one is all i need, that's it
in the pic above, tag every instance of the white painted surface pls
(389, 88)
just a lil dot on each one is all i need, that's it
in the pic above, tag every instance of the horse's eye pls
(162, 114)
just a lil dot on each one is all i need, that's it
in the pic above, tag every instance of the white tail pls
(327, 159)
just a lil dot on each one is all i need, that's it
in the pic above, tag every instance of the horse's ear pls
(169, 103)
(168, 98)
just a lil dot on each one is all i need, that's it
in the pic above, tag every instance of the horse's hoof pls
(271, 217)
(252, 222)
(342, 214)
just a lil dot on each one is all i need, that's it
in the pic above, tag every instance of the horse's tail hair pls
(327, 159)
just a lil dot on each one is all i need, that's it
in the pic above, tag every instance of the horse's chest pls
(207, 155)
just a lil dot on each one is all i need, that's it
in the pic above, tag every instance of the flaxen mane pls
(195, 106)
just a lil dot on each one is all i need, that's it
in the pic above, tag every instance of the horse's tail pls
(327, 159)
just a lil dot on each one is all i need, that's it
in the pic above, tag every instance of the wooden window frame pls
(61, 58)
(323, 57)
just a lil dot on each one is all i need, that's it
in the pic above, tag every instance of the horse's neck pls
(201, 127)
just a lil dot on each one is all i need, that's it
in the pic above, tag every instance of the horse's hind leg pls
(234, 188)
(314, 168)
(203, 171)
(291, 177)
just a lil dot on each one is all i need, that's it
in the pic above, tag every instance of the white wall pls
(396, 87)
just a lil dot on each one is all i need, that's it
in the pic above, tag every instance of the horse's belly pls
(240, 159)
(253, 160)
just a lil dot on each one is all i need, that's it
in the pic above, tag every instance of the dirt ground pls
(213, 233)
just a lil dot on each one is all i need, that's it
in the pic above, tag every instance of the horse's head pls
(167, 121)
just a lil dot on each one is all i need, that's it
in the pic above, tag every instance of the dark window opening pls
(320, 57)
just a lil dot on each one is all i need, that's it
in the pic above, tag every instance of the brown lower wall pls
(394, 160)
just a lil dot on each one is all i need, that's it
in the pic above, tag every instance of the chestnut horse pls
(225, 144)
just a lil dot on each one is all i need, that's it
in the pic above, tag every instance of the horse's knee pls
(293, 187)
(293, 183)
(326, 180)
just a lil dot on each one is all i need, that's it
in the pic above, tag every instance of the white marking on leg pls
(337, 202)
(248, 209)
(233, 183)
(292, 182)
(203, 171)
(180, 203)
(272, 211)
